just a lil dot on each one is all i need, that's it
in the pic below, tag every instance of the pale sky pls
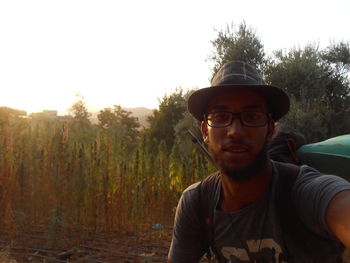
(133, 52)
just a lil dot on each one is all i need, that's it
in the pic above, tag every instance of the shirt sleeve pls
(186, 244)
(311, 195)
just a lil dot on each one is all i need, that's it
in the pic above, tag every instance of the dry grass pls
(5, 257)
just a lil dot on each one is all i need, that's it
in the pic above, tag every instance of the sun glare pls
(30, 103)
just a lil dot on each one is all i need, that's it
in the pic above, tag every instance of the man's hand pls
(338, 217)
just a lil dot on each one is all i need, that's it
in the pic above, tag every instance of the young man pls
(254, 209)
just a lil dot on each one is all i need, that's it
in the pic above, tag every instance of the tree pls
(299, 72)
(80, 126)
(338, 54)
(106, 119)
(128, 122)
(79, 111)
(318, 84)
(163, 120)
(120, 126)
(336, 60)
(240, 43)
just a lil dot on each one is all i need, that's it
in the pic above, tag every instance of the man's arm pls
(320, 201)
(186, 245)
(338, 217)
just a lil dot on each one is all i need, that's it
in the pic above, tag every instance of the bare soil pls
(144, 246)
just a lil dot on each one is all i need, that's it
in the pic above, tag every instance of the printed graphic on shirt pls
(261, 250)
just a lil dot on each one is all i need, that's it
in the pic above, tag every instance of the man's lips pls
(236, 148)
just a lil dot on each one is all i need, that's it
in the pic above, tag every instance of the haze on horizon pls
(133, 53)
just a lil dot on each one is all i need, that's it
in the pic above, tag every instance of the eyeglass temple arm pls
(201, 146)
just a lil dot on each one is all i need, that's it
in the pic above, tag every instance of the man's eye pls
(252, 116)
(220, 116)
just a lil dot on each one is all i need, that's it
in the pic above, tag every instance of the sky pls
(134, 52)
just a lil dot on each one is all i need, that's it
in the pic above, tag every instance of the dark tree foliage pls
(106, 119)
(119, 126)
(80, 123)
(299, 72)
(164, 119)
(240, 43)
(318, 83)
(338, 54)
(118, 118)
(128, 122)
(80, 112)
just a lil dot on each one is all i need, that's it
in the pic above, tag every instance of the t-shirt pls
(253, 233)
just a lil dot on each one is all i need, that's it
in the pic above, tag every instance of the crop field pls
(73, 190)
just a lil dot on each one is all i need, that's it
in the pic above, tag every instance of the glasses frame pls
(239, 116)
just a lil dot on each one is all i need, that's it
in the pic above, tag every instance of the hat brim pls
(277, 100)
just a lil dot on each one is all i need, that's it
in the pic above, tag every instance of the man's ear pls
(204, 130)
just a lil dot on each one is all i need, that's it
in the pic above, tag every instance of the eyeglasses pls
(221, 119)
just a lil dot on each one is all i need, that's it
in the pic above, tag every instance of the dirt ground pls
(147, 246)
(130, 247)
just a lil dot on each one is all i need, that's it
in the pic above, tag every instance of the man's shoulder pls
(193, 187)
(304, 175)
(207, 181)
(308, 173)
(202, 189)
(303, 172)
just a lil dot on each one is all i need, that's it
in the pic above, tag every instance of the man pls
(250, 218)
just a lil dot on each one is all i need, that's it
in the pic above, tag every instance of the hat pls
(237, 75)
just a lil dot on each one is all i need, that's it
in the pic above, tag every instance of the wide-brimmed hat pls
(237, 75)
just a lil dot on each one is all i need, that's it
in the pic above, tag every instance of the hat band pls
(237, 79)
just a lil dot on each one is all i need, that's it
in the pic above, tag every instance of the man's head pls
(237, 114)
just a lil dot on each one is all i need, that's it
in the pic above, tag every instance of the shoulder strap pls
(287, 175)
(206, 196)
(299, 240)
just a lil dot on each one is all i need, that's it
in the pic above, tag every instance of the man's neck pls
(236, 194)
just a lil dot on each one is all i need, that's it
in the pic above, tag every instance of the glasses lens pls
(219, 119)
(254, 118)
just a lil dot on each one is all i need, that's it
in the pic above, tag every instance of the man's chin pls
(248, 171)
(243, 173)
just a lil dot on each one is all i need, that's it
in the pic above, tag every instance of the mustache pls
(232, 143)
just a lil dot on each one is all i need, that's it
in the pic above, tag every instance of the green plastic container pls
(331, 156)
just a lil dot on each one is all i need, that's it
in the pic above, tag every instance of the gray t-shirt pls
(253, 234)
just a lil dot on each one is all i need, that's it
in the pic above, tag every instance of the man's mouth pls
(235, 148)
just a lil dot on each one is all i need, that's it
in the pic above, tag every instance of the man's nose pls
(236, 128)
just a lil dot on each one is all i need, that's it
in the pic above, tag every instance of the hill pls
(141, 113)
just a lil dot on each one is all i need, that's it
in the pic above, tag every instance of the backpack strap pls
(287, 175)
(300, 241)
(206, 197)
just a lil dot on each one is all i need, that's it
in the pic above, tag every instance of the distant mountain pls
(140, 112)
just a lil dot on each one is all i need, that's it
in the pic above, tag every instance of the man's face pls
(238, 150)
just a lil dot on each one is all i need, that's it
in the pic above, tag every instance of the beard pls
(247, 172)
